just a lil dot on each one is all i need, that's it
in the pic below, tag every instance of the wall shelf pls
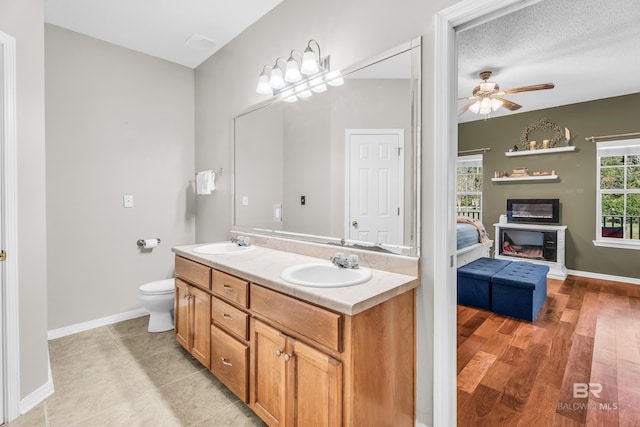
(527, 178)
(540, 151)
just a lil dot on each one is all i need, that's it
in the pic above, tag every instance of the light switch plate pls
(127, 201)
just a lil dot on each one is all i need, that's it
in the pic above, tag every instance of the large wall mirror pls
(340, 167)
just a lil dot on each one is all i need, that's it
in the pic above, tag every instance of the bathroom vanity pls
(300, 356)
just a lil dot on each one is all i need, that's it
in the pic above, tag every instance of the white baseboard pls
(103, 321)
(633, 281)
(40, 394)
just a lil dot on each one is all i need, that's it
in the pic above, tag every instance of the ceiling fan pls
(486, 97)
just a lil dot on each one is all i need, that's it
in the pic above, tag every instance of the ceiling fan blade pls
(509, 105)
(542, 86)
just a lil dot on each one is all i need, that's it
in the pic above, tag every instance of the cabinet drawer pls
(229, 362)
(230, 318)
(315, 323)
(193, 272)
(230, 288)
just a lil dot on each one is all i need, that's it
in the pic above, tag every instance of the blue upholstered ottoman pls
(474, 281)
(519, 290)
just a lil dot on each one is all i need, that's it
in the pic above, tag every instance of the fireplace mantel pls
(557, 268)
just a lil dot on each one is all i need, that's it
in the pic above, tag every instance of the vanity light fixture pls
(304, 74)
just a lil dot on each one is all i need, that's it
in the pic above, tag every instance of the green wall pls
(576, 187)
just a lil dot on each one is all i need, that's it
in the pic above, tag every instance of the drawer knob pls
(279, 352)
(226, 362)
(227, 317)
(227, 287)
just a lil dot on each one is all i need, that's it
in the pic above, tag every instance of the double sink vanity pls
(300, 340)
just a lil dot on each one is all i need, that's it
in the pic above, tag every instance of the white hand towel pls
(205, 182)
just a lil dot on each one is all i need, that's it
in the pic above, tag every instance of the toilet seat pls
(159, 287)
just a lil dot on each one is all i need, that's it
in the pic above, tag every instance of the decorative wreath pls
(542, 124)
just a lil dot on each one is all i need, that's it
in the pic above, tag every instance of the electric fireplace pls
(546, 211)
(537, 243)
(531, 244)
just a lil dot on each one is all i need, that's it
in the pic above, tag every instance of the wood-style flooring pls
(577, 364)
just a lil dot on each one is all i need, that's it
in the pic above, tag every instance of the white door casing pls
(374, 191)
(9, 342)
(457, 17)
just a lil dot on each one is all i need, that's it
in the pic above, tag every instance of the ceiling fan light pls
(495, 104)
(475, 107)
(485, 106)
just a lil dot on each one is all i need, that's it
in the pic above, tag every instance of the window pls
(618, 199)
(469, 186)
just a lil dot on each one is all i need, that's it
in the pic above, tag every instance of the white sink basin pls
(327, 275)
(221, 248)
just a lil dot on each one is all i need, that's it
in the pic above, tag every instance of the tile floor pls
(122, 375)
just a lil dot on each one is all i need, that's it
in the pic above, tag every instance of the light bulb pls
(309, 64)
(292, 73)
(263, 85)
(276, 81)
(496, 103)
(485, 106)
(335, 79)
(317, 85)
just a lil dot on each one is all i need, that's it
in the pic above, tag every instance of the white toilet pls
(157, 297)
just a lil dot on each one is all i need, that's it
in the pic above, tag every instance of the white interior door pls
(375, 188)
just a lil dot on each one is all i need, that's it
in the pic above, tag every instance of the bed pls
(472, 241)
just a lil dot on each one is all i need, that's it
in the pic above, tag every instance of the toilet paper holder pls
(142, 243)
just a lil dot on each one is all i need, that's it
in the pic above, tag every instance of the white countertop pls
(263, 266)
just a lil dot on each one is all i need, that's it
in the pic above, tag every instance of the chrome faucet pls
(343, 262)
(242, 241)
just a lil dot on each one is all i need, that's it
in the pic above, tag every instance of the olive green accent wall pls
(576, 187)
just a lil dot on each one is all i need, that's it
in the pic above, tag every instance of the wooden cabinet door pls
(181, 320)
(314, 388)
(201, 327)
(268, 378)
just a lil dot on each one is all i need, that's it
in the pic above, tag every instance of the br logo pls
(581, 390)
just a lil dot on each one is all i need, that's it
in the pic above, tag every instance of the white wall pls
(118, 122)
(23, 20)
(350, 31)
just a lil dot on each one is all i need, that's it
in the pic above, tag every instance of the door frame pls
(347, 178)
(9, 319)
(463, 15)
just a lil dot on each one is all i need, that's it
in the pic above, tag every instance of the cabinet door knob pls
(226, 362)
(287, 357)
(278, 352)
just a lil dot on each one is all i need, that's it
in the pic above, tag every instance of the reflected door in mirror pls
(375, 185)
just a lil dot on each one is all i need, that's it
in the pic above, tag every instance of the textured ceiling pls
(160, 28)
(590, 49)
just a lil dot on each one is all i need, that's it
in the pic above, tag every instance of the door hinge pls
(3, 255)
(398, 211)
